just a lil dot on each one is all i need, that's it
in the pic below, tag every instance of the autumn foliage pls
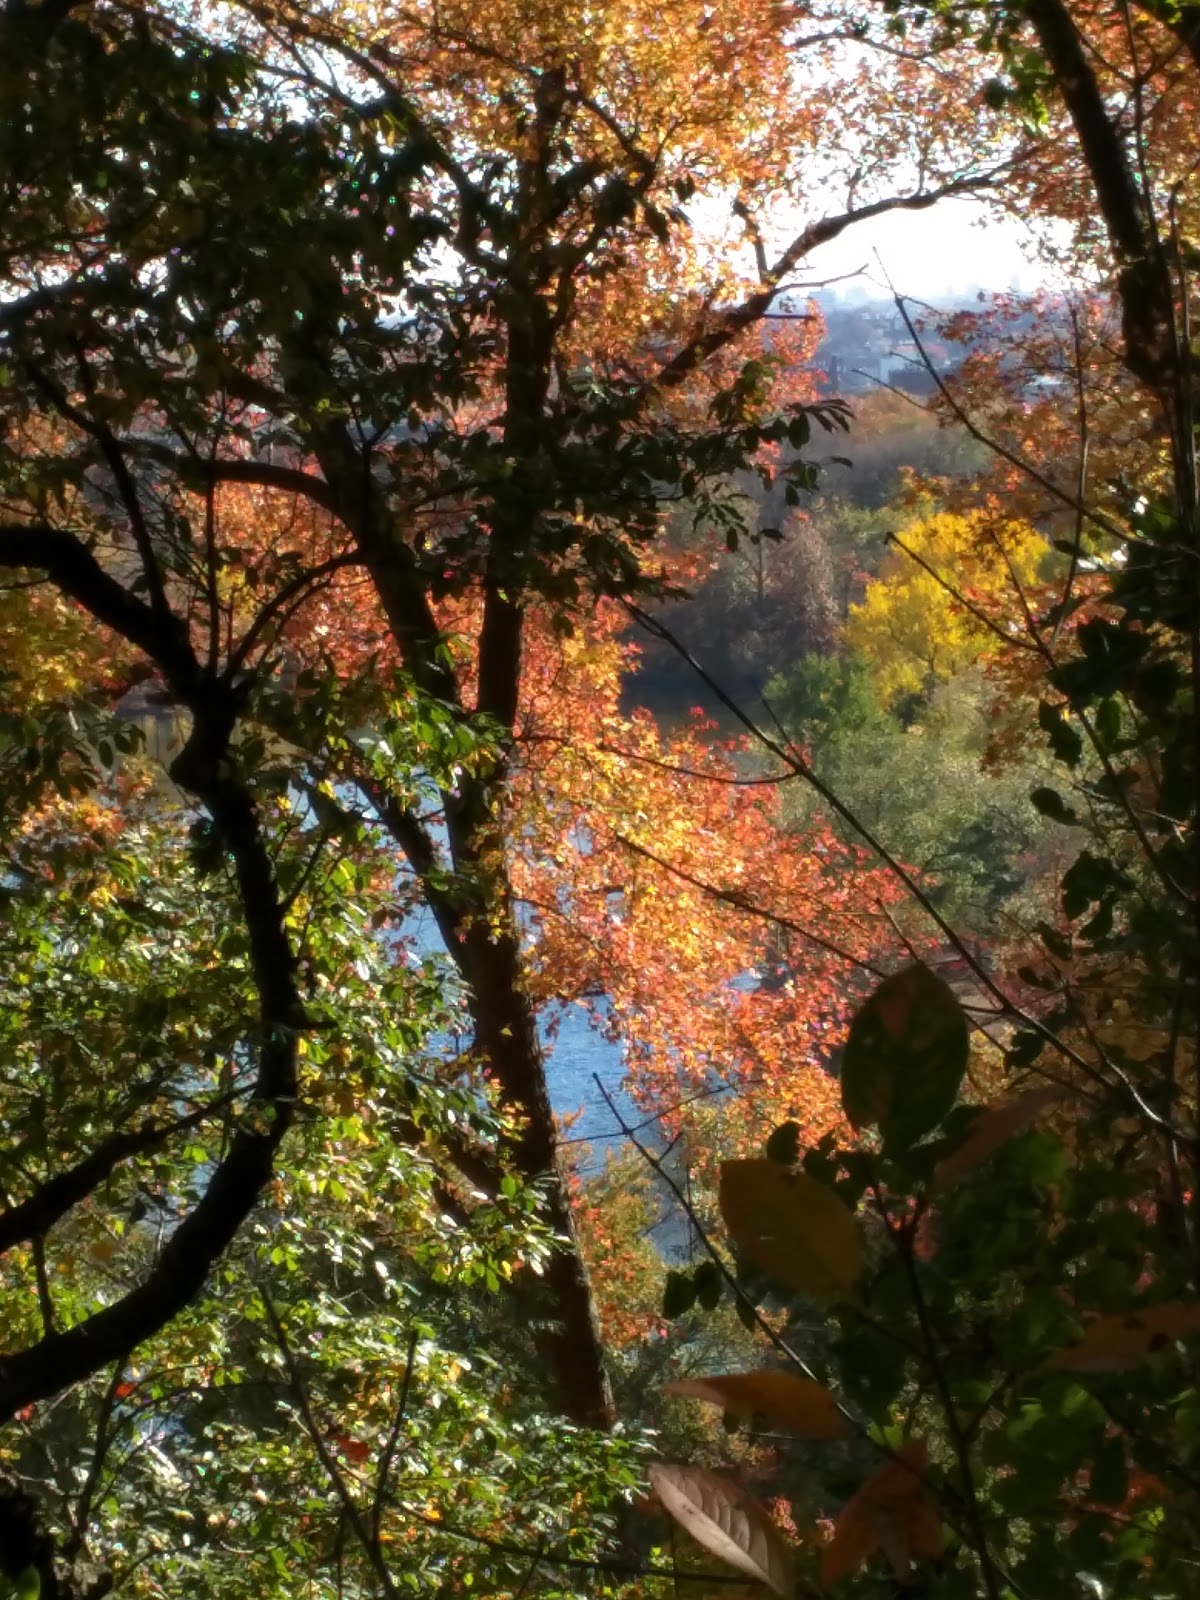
(375, 382)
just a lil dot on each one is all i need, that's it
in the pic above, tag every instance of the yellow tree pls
(945, 596)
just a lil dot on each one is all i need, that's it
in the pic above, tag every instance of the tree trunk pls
(566, 1328)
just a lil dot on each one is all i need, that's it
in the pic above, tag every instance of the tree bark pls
(1143, 274)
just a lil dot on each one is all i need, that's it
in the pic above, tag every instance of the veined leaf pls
(780, 1397)
(726, 1521)
(791, 1226)
(891, 1514)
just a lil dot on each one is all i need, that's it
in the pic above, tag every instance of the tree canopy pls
(371, 379)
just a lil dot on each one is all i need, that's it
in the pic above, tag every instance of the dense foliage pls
(371, 383)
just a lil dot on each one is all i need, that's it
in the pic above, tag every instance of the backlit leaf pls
(905, 1057)
(779, 1397)
(1113, 1343)
(890, 1514)
(726, 1521)
(994, 1128)
(791, 1226)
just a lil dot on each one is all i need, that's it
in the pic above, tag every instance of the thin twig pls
(45, 1298)
(740, 902)
(792, 759)
(77, 1539)
(369, 1544)
(714, 1254)
(393, 1438)
(902, 1238)
(1081, 408)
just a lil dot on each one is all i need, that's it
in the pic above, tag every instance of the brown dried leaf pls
(891, 1513)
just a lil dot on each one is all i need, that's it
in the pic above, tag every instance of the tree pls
(340, 372)
(1027, 1431)
(933, 788)
(942, 598)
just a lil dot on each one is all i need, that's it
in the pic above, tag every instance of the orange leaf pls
(792, 1402)
(353, 1449)
(1110, 1344)
(994, 1128)
(890, 1513)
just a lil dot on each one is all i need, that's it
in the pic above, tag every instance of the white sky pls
(930, 254)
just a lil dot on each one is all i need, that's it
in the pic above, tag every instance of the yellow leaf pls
(1110, 1344)
(791, 1226)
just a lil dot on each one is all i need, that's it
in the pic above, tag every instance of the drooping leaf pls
(1108, 1481)
(779, 1397)
(726, 1521)
(905, 1057)
(1051, 804)
(994, 1128)
(1113, 1343)
(1065, 739)
(709, 1285)
(791, 1226)
(891, 1514)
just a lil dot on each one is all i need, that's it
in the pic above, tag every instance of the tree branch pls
(35, 1216)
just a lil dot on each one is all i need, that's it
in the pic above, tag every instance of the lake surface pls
(578, 1055)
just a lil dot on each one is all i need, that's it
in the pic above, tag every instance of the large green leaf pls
(905, 1057)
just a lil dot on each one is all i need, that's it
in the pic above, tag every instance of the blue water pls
(578, 1054)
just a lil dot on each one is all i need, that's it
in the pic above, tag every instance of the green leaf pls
(1108, 1482)
(708, 1284)
(1107, 724)
(1058, 944)
(792, 1227)
(905, 1057)
(1024, 1048)
(1065, 741)
(873, 1367)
